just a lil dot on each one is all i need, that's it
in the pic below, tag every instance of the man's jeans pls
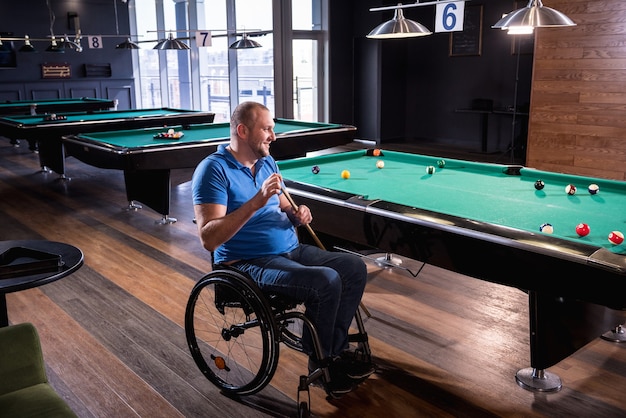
(329, 283)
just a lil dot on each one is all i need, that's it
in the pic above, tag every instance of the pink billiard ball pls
(570, 189)
(616, 237)
(582, 229)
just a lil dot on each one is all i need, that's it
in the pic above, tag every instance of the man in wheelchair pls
(244, 218)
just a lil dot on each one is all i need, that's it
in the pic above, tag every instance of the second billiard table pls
(147, 157)
(44, 132)
(483, 220)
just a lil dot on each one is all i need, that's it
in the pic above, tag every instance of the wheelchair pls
(234, 331)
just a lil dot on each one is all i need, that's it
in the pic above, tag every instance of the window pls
(216, 78)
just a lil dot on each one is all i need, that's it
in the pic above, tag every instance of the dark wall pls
(103, 73)
(409, 89)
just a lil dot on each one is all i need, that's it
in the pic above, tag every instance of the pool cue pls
(307, 226)
(315, 238)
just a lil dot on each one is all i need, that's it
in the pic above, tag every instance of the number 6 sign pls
(449, 17)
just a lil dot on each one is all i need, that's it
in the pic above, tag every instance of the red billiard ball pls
(376, 152)
(570, 189)
(582, 229)
(616, 237)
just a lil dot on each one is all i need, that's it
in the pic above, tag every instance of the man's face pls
(261, 135)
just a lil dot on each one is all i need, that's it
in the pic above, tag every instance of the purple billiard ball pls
(315, 169)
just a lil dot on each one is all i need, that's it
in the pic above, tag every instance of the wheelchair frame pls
(228, 318)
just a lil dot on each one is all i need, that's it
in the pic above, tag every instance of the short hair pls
(245, 113)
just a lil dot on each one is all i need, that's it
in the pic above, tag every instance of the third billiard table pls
(46, 106)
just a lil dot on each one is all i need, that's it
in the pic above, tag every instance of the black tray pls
(21, 261)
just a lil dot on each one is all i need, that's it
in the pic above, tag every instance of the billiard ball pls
(616, 237)
(345, 174)
(539, 185)
(315, 169)
(546, 228)
(430, 169)
(380, 163)
(582, 229)
(441, 163)
(376, 152)
(593, 188)
(570, 189)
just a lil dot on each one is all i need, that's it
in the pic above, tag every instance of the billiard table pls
(147, 156)
(44, 132)
(483, 220)
(32, 107)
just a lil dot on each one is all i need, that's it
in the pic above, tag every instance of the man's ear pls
(242, 131)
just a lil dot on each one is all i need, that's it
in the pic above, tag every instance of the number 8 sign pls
(450, 16)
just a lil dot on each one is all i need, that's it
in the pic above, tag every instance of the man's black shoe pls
(353, 367)
(339, 383)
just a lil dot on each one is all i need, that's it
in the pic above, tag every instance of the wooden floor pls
(113, 336)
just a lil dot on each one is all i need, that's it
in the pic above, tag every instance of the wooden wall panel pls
(577, 121)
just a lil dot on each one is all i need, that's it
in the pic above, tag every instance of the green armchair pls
(24, 387)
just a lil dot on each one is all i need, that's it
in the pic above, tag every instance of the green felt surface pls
(475, 191)
(138, 138)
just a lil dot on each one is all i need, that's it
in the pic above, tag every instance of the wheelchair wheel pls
(231, 332)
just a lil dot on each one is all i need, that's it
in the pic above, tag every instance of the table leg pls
(616, 335)
(484, 132)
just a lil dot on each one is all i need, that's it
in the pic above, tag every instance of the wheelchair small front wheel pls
(231, 332)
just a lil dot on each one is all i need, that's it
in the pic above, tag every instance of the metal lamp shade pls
(171, 43)
(399, 27)
(534, 15)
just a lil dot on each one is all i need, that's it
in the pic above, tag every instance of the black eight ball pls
(539, 184)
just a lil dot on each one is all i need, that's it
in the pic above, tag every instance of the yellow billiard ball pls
(345, 174)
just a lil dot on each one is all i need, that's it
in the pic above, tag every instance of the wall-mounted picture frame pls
(469, 41)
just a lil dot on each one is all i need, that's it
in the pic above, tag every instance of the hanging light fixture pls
(245, 43)
(66, 43)
(27, 47)
(54, 46)
(398, 27)
(127, 44)
(171, 43)
(534, 15)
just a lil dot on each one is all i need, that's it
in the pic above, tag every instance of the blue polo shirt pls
(221, 179)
